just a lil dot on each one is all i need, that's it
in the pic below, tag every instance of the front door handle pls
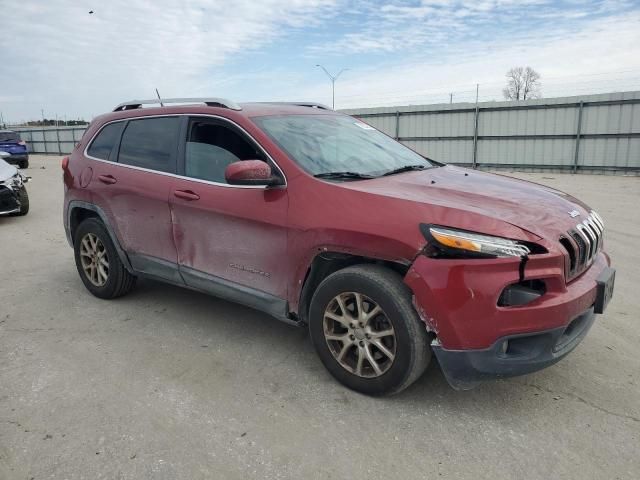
(186, 195)
(108, 179)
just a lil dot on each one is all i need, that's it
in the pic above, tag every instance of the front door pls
(231, 240)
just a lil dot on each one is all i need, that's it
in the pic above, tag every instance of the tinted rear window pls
(9, 137)
(150, 143)
(105, 141)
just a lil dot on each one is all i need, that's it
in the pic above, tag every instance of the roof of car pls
(211, 105)
(278, 108)
(136, 108)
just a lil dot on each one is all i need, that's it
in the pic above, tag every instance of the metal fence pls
(58, 140)
(587, 133)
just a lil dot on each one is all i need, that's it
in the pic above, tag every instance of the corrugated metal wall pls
(585, 133)
(60, 140)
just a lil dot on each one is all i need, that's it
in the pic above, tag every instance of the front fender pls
(306, 246)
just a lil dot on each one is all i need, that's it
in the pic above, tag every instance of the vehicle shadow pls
(280, 344)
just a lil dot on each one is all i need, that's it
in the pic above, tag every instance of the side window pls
(150, 143)
(105, 141)
(211, 147)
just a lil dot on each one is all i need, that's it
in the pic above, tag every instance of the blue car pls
(11, 143)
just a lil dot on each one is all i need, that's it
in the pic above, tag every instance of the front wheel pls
(366, 330)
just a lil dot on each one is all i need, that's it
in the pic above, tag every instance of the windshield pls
(9, 137)
(324, 144)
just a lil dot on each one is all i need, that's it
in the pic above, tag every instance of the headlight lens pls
(449, 242)
(13, 182)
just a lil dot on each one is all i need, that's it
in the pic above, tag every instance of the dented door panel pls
(238, 234)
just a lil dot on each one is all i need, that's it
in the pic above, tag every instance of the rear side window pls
(104, 142)
(150, 143)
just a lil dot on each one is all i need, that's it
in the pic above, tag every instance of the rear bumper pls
(512, 355)
(14, 158)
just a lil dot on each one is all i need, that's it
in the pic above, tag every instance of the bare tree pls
(522, 83)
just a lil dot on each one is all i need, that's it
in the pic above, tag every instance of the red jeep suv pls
(320, 220)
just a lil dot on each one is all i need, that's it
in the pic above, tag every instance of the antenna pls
(158, 93)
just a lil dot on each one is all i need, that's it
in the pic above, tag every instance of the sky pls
(61, 60)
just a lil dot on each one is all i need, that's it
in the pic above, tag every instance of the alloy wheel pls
(359, 335)
(94, 259)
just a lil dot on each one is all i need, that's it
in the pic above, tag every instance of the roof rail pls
(210, 102)
(301, 104)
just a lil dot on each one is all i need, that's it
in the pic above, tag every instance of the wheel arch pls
(78, 211)
(325, 263)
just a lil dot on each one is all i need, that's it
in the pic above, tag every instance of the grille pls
(582, 243)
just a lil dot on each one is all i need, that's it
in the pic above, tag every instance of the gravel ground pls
(167, 383)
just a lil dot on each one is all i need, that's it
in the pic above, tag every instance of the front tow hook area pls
(512, 355)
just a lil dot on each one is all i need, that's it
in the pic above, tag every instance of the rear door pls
(131, 182)
(231, 239)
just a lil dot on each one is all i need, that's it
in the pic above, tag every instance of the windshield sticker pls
(364, 126)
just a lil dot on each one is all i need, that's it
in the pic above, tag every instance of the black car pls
(14, 199)
(11, 143)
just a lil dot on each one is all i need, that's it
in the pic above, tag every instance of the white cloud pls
(64, 60)
(67, 60)
(397, 27)
(571, 62)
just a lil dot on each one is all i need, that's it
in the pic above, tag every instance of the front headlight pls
(17, 180)
(13, 182)
(447, 242)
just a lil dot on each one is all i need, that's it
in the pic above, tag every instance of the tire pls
(24, 164)
(408, 344)
(23, 196)
(104, 281)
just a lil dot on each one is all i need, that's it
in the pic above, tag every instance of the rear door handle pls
(108, 179)
(186, 195)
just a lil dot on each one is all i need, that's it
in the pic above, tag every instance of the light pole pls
(333, 79)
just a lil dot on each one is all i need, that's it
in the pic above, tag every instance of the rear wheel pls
(98, 262)
(366, 330)
(24, 163)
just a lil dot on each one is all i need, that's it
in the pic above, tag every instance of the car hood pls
(535, 208)
(6, 171)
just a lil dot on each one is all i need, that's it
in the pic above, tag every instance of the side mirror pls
(250, 172)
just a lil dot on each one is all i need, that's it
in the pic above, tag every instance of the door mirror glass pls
(250, 172)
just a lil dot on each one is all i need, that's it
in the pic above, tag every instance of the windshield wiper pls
(406, 168)
(354, 175)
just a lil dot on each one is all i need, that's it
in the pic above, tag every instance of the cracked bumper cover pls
(512, 355)
(458, 301)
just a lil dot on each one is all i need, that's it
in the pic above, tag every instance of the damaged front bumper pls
(512, 355)
(478, 338)
(9, 201)
(12, 191)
